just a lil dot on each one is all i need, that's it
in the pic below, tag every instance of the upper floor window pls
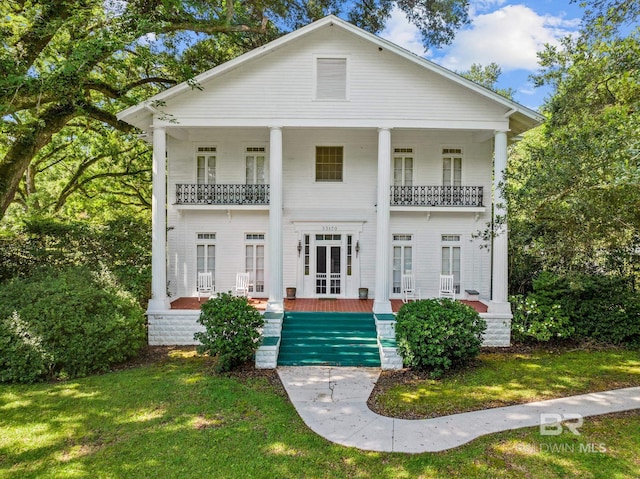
(206, 165)
(255, 165)
(329, 160)
(452, 166)
(403, 167)
(331, 78)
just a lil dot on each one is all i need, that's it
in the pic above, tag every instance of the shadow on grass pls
(173, 418)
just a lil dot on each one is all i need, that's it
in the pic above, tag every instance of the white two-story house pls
(328, 160)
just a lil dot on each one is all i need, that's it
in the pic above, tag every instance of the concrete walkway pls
(332, 401)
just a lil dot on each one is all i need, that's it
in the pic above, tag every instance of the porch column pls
(275, 303)
(381, 304)
(159, 300)
(500, 273)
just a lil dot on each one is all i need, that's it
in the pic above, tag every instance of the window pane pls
(397, 171)
(211, 170)
(200, 258)
(260, 170)
(408, 172)
(259, 271)
(329, 160)
(250, 172)
(446, 171)
(211, 258)
(446, 260)
(408, 260)
(457, 172)
(201, 166)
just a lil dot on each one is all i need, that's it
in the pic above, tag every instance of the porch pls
(317, 305)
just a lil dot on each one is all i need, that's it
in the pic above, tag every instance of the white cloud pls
(399, 31)
(510, 36)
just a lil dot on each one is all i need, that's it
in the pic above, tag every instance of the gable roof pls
(521, 118)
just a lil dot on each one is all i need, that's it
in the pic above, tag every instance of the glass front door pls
(328, 269)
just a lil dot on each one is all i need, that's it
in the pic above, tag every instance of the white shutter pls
(331, 79)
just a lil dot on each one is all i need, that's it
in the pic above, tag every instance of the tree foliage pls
(574, 184)
(488, 76)
(67, 66)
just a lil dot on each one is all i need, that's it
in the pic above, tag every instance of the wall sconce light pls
(357, 248)
(299, 247)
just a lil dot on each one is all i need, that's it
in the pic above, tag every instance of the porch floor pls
(315, 304)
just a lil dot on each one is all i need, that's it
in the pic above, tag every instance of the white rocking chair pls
(409, 291)
(205, 284)
(242, 284)
(447, 289)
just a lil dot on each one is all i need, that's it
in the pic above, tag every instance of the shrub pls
(438, 334)
(604, 308)
(66, 324)
(587, 306)
(231, 330)
(539, 321)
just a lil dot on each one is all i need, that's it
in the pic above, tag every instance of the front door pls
(329, 281)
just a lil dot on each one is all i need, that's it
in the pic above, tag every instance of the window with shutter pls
(331, 79)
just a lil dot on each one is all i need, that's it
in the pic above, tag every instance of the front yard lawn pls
(174, 418)
(505, 377)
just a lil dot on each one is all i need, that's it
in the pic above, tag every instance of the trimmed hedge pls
(603, 308)
(66, 324)
(435, 335)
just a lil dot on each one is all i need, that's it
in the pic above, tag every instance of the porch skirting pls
(498, 332)
(176, 327)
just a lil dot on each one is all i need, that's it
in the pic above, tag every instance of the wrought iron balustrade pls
(436, 195)
(222, 194)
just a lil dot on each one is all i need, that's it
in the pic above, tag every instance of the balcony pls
(222, 195)
(433, 197)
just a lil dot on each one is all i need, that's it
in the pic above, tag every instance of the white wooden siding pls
(305, 200)
(281, 85)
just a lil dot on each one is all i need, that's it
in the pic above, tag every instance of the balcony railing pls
(221, 194)
(436, 196)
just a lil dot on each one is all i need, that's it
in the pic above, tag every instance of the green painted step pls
(337, 339)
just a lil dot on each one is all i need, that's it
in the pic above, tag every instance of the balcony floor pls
(315, 304)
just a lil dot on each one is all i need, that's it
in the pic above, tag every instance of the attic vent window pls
(331, 79)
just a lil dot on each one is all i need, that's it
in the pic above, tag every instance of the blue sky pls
(507, 32)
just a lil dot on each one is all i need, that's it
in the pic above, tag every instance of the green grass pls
(175, 419)
(501, 379)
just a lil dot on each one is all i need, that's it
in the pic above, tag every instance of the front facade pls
(328, 161)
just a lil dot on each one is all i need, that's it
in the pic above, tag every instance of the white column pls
(381, 304)
(159, 300)
(500, 273)
(276, 295)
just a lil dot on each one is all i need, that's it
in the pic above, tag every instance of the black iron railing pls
(222, 194)
(436, 195)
